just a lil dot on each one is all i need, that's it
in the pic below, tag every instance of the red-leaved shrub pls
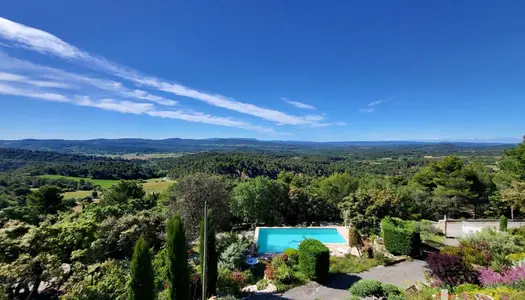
(452, 270)
(238, 277)
(268, 272)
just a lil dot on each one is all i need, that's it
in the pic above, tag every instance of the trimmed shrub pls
(293, 255)
(450, 269)
(502, 223)
(366, 288)
(390, 289)
(400, 237)
(314, 259)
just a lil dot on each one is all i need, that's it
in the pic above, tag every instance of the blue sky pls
(285, 70)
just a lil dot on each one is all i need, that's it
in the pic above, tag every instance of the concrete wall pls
(460, 228)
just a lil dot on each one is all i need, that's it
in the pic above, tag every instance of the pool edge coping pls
(343, 231)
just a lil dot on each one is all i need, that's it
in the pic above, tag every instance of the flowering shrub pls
(452, 270)
(510, 276)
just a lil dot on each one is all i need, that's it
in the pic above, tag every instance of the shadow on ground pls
(265, 296)
(341, 281)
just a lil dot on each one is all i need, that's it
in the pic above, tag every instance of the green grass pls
(104, 183)
(351, 264)
(152, 185)
(76, 194)
(156, 185)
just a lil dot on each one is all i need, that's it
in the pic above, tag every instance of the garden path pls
(402, 274)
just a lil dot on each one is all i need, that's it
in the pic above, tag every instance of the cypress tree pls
(212, 257)
(142, 277)
(503, 223)
(178, 276)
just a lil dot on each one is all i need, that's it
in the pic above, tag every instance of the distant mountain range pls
(133, 145)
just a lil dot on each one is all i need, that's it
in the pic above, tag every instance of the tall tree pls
(515, 195)
(187, 197)
(514, 160)
(142, 277)
(259, 200)
(337, 186)
(452, 186)
(178, 276)
(46, 199)
(212, 258)
(122, 192)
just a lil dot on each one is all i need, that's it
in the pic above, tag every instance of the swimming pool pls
(279, 239)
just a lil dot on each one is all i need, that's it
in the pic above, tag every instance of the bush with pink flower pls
(508, 276)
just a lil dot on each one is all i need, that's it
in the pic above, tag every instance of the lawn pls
(156, 185)
(76, 194)
(152, 185)
(104, 183)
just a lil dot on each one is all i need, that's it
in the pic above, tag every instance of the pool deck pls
(335, 249)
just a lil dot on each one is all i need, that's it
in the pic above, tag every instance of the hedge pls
(400, 237)
(314, 259)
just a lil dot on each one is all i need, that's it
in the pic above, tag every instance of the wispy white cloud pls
(15, 91)
(316, 125)
(127, 107)
(73, 79)
(367, 110)
(374, 103)
(298, 104)
(37, 40)
(11, 77)
(371, 107)
(124, 106)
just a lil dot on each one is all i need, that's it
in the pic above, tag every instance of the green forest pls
(97, 247)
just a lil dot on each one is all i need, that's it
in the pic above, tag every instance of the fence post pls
(445, 218)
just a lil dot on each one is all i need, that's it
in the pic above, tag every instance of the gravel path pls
(403, 275)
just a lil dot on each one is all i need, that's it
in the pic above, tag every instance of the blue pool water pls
(279, 239)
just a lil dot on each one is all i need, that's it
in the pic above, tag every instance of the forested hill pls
(46, 162)
(173, 145)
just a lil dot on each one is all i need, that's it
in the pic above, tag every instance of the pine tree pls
(212, 267)
(178, 276)
(142, 277)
